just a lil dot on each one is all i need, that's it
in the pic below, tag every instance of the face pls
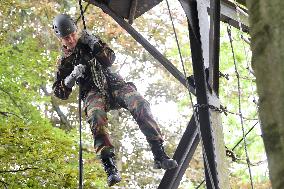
(70, 40)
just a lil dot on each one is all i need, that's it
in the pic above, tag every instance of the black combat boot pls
(113, 176)
(161, 159)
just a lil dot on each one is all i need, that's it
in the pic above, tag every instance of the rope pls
(236, 145)
(238, 10)
(86, 7)
(200, 184)
(232, 155)
(82, 14)
(239, 99)
(176, 38)
(195, 112)
(80, 115)
(80, 144)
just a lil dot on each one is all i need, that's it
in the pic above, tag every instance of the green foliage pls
(23, 69)
(28, 53)
(40, 156)
(229, 96)
(39, 151)
(33, 153)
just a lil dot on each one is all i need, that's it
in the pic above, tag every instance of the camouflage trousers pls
(127, 97)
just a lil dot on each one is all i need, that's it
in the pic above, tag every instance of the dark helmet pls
(63, 25)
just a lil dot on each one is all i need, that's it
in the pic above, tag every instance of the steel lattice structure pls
(204, 42)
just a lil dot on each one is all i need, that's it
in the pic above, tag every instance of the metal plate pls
(122, 7)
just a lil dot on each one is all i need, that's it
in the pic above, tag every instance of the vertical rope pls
(82, 14)
(80, 144)
(80, 115)
(176, 38)
(239, 99)
(86, 7)
(238, 10)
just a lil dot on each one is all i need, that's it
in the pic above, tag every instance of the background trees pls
(38, 132)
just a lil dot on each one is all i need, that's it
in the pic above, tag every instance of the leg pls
(139, 108)
(96, 116)
(128, 97)
(94, 106)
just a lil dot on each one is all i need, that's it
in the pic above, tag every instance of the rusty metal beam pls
(183, 155)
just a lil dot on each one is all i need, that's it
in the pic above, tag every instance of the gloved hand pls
(77, 73)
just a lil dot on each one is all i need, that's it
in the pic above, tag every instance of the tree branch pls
(12, 98)
(62, 116)
(43, 88)
(18, 170)
(6, 114)
(4, 184)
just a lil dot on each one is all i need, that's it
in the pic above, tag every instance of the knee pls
(141, 109)
(106, 152)
(97, 118)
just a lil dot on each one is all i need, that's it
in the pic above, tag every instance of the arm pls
(60, 90)
(63, 85)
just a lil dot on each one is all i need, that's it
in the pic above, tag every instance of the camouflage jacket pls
(97, 57)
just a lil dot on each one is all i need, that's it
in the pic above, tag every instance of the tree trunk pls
(267, 34)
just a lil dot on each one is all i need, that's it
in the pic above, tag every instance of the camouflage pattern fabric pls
(117, 93)
(126, 96)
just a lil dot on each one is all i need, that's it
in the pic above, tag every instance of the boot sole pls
(114, 181)
(169, 164)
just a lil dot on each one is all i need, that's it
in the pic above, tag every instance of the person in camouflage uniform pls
(86, 60)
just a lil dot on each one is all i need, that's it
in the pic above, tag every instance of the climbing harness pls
(99, 77)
